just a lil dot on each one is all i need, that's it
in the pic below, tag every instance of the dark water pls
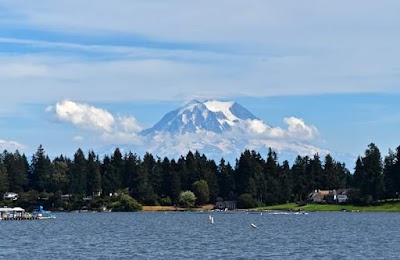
(189, 235)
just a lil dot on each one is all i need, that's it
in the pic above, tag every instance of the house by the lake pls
(329, 196)
(225, 204)
(10, 196)
(337, 196)
(318, 196)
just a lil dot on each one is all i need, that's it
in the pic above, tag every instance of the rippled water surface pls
(190, 235)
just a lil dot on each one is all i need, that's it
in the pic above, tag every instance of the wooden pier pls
(20, 218)
(18, 213)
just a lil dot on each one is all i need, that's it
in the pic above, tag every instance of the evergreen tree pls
(314, 174)
(301, 187)
(286, 183)
(140, 187)
(4, 182)
(93, 174)
(248, 170)
(109, 181)
(40, 170)
(392, 174)
(131, 166)
(79, 174)
(172, 181)
(269, 185)
(330, 179)
(153, 172)
(132, 175)
(368, 175)
(118, 166)
(209, 170)
(17, 167)
(374, 172)
(60, 179)
(343, 174)
(359, 174)
(225, 179)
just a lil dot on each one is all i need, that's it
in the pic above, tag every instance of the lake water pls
(190, 235)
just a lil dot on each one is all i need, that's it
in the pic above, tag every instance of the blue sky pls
(334, 64)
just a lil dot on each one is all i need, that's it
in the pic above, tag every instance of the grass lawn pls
(383, 207)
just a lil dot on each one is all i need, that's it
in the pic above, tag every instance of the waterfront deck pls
(18, 213)
(20, 218)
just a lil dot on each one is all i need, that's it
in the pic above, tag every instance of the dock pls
(21, 218)
(18, 213)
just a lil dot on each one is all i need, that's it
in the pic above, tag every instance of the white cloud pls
(10, 145)
(199, 49)
(297, 128)
(124, 129)
(257, 126)
(129, 124)
(84, 116)
(224, 20)
(78, 138)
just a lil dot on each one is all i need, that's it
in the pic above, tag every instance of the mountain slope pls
(197, 117)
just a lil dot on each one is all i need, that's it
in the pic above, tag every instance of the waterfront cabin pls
(318, 196)
(225, 204)
(338, 196)
(329, 196)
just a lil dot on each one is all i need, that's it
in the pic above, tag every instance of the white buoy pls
(254, 226)
(211, 219)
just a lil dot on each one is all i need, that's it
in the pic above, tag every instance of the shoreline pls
(207, 207)
(383, 207)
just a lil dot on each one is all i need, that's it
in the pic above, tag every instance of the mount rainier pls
(202, 117)
(223, 130)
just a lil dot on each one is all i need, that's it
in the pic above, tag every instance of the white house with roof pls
(10, 196)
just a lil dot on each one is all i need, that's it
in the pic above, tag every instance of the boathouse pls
(16, 212)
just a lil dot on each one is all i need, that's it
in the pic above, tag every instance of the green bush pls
(166, 201)
(125, 203)
(187, 199)
(246, 201)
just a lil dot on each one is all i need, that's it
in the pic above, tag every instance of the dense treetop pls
(153, 181)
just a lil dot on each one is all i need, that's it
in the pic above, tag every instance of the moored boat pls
(43, 214)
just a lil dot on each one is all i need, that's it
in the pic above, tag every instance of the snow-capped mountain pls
(209, 116)
(224, 130)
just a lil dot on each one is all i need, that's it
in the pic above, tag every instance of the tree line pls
(253, 180)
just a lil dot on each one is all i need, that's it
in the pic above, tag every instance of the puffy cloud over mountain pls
(215, 128)
(84, 116)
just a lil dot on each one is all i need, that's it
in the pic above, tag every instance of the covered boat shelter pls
(15, 212)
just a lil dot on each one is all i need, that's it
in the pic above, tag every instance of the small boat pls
(43, 214)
